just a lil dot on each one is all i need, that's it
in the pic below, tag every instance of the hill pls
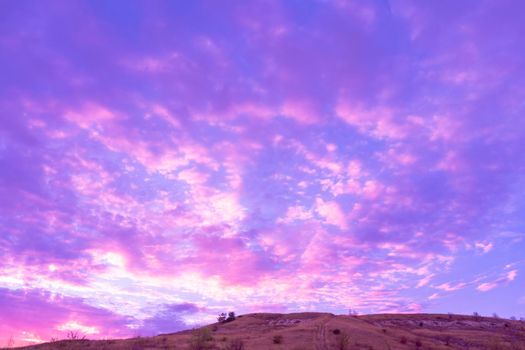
(322, 331)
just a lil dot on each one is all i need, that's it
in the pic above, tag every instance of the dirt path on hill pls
(320, 336)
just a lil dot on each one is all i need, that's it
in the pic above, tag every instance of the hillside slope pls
(321, 331)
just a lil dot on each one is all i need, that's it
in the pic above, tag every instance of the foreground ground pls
(319, 331)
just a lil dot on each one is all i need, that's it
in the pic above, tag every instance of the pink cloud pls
(444, 128)
(296, 213)
(434, 296)
(354, 168)
(484, 247)
(485, 287)
(331, 212)
(300, 111)
(449, 287)
(380, 122)
(424, 281)
(372, 189)
(35, 316)
(511, 275)
(92, 115)
(193, 177)
(504, 279)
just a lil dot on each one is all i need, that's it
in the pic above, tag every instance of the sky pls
(165, 161)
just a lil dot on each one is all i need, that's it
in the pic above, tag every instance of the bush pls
(277, 339)
(231, 316)
(403, 340)
(223, 318)
(336, 331)
(418, 343)
(352, 312)
(75, 335)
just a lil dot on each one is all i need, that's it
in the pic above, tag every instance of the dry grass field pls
(321, 331)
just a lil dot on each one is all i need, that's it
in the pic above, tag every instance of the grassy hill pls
(321, 331)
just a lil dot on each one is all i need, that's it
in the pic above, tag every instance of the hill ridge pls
(326, 331)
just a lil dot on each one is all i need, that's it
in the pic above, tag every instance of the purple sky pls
(161, 162)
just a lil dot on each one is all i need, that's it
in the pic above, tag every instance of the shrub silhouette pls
(222, 318)
(277, 339)
(75, 335)
(231, 316)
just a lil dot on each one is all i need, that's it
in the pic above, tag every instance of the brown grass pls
(316, 331)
